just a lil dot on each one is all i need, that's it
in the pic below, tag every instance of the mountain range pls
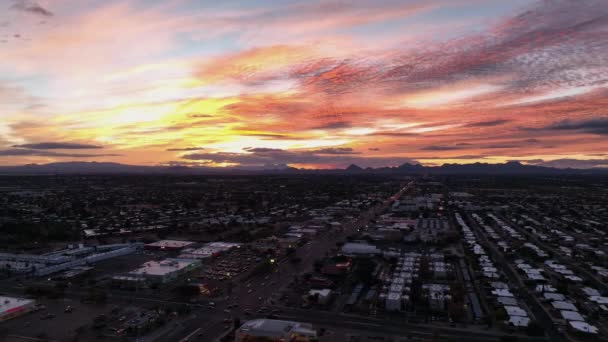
(509, 168)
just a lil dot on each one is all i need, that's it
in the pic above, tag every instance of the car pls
(260, 298)
(227, 311)
(250, 291)
(47, 316)
(227, 321)
(68, 309)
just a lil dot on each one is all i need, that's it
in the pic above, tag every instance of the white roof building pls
(357, 248)
(166, 269)
(552, 296)
(563, 305)
(589, 291)
(275, 330)
(515, 311)
(502, 293)
(599, 299)
(583, 327)
(519, 321)
(11, 307)
(168, 244)
(571, 315)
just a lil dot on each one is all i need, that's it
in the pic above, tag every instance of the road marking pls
(363, 323)
(191, 334)
(29, 338)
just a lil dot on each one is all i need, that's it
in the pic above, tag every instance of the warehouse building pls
(166, 270)
(275, 330)
(170, 245)
(11, 307)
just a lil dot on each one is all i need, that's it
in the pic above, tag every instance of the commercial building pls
(171, 245)
(166, 270)
(438, 295)
(11, 307)
(322, 296)
(360, 249)
(211, 249)
(66, 259)
(275, 330)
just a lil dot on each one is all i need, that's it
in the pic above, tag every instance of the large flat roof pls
(274, 328)
(10, 304)
(170, 244)
(163, 267)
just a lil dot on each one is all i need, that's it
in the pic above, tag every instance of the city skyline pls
(319, 84)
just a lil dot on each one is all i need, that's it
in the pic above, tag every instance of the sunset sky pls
(314, 84)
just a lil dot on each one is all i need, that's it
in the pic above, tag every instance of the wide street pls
(258, 291)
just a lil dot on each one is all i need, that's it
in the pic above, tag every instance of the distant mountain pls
(91, 168)
(510, 168)
(354, 168)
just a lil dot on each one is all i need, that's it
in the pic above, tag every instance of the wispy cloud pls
(31, 7)
(310, 83)
(58, 146)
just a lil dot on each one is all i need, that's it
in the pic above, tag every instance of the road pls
(394, 327)
(541, 315)
(559, 255)
(262, 290)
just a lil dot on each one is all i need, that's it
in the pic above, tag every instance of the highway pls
(261, 290)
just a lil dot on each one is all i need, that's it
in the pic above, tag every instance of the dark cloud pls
(500, 146)
(374, 149)
(31, 7)
(394, 134)
(571, 163)
(335, 150)
(441, 148)
(185, 149)
(264, 157)
(262, 150)
(489, 146)
(58, 146)
(42, 153)
(468, 156)
(492, 123)
(593, 126)
(334, 125)
(200, 116)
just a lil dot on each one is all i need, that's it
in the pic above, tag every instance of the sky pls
(308, 84)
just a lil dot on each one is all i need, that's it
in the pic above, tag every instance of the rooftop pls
(10, 304)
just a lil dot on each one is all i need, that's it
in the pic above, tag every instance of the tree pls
(364, 271)
(535, 329)
(187, 290)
